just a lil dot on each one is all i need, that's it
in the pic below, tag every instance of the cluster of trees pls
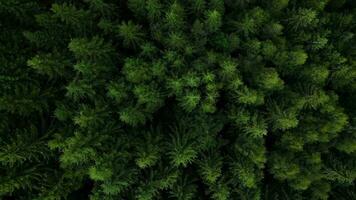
(178, 99)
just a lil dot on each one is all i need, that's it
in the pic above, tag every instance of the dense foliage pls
(178, 99)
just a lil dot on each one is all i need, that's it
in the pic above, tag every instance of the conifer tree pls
(198, 99)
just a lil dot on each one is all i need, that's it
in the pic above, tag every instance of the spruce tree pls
(198, 99)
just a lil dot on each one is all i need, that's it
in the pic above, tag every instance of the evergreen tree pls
(198, 99)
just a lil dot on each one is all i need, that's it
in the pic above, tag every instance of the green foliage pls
(90, 50)
(302, 18)
(277, 5)
(213, 21)
(181, 150)
(69, 14)
(210, 167)
(130, 33)
(51, 65)
(269, 79)
(195, 99)
(282, 118)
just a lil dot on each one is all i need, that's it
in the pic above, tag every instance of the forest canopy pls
(178, 99)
